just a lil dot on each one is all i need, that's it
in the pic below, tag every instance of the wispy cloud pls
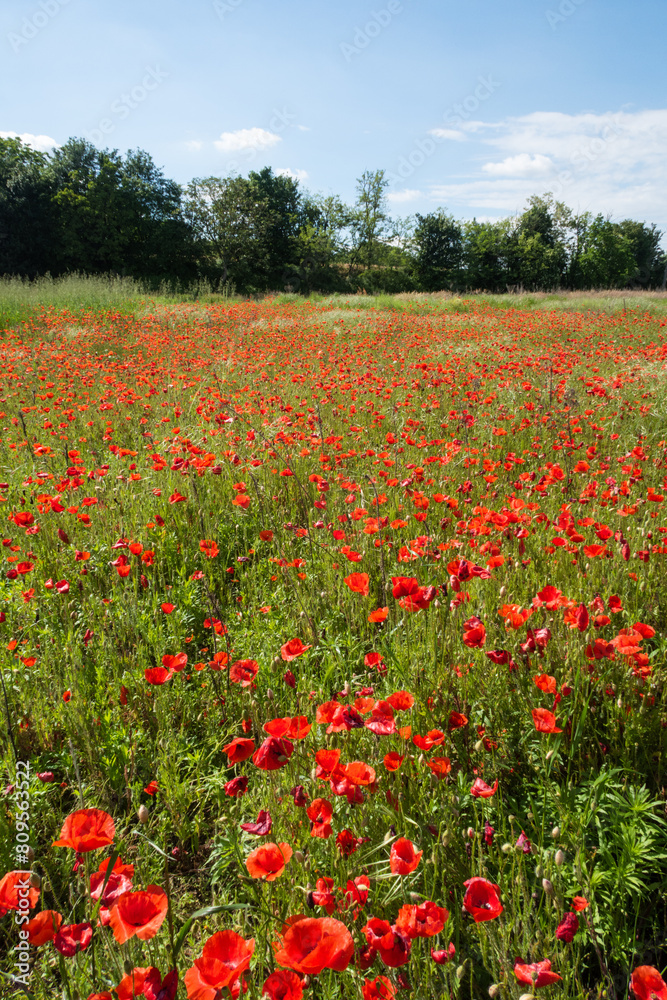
(408, 194)
(611, 162)
(296, 175)
(43, 143)
(246, 138)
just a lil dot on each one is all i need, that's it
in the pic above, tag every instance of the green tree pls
(370, 222)
(438, 251)
(27, 232)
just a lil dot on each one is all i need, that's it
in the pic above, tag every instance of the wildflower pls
(268, 861)
(138, 913)
(537, 974)
(86, 830)
(481, 899)
(310, 944)
(225, 957)
(403, 857)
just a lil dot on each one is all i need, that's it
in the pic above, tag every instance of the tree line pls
(81, 209)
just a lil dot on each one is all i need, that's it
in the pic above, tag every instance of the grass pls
(213, 481)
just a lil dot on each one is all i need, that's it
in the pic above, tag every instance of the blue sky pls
(472, 105)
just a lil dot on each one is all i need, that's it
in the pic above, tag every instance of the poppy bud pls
(299, 857)
(471, 833)
(142, 814)
(31, 854)
(560, 857)
(555, 833)
(547, 886)
(494, 990)
(35, 881)
(269, 694)
(503, 590)
(506, 848)
(526, 996)
(460, 972)
(446, 838)
(479, 745)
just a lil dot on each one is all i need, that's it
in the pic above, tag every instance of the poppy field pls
(333, 653)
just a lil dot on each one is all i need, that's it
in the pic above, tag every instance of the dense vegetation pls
(93, 211)
(311, 614)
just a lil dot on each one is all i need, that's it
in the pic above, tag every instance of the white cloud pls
(42, 143)
(408, 194)
(194, 145)
(296, 175)
(448, 133)
(612, 163)
(246, 138)
(521, 165)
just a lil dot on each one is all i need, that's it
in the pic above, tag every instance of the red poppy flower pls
(392, 761)
(379, 988)
(401, 700)
(273, 754)
(568, 927)
(73, 938)
(323, 895)
(442, 956)
(175, 661)
(86, 830)
(393, 946)
(209, 548)
(157, 675)
(283, 985)
(132, 985)
(225, 957)
(347, 843)
(434, 738)
(157, 988)
(359, 773)
(358, 583)
(100, 996)
(440, 766)
(261, 827)
(456, 721)
(474, 634)
(120, 881)
(480, 789)
(43, 927)
(481, 899)
(239, 750)
(647, 983)
(545, 683)
(422, 920)
(237, 787)
(319, 812)
(268, 861)
(545, 721)
(403, 857)
(243, 672)
(167, 607)
(15, 888)
(536, 974)
(140, 913)
(378, 615)
(292, 649)
(310, 944)
(579, 903)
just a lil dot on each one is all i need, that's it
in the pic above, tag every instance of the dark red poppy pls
(237, 787)
(456, 721)
(73, 938)
(86, 830)
(157, 988)
(482, 899)
(273, 754)
(474, 632)
(261, 827)
(443, 955)
(568, 927)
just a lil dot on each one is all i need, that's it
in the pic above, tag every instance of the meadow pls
(333, 646)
